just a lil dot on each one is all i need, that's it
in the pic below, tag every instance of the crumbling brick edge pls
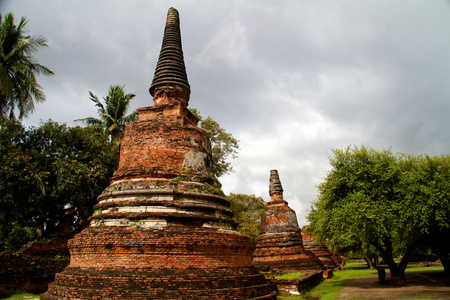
(299, 285)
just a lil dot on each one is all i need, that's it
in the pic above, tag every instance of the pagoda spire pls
(275, 188)
(170, 70)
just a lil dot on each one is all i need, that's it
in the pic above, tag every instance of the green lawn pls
(332, 287)
(21, 296)
(291, 275)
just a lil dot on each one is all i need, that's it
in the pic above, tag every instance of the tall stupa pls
(162, 229)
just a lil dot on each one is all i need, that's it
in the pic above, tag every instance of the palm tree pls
(112, 114)
(18, 68)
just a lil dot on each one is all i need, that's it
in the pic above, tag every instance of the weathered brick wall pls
(28, 273)
(159, 284)
(177, 247)
(180, 262)
(164, 143)
(299, 285)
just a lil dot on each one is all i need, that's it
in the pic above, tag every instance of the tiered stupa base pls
(283, 252)
(142, 284)
(176, 263)
(160, 239)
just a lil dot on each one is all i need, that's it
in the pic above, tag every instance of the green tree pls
(247, 211)
(376, 199)
(46, 169)
(426, 189)
(223, 144)
(18, 68)
(113, 116)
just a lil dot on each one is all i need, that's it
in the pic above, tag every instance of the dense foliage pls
(113, 114)
(18, 68)
(44, 170)
(247, 211)
(380, 202)
(223, 144)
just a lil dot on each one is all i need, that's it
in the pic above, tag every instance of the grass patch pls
(421, 268)
(332, 287)
(20, 296)
(291, 275)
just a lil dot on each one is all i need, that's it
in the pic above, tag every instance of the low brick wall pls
(28, 273)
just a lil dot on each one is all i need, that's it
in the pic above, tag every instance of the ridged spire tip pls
(275, 183)
(170, 70)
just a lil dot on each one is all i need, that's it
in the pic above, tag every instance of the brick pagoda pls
(279, 247)
(162, 229)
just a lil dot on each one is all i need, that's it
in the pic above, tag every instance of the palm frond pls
(90, 121)
(130, 118)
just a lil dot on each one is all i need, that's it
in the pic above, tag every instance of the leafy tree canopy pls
(44, 170)
(112, 114)
(247, 211)
(18, 68)
(379, 201)
(223, 144)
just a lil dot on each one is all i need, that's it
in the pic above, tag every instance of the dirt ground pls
(420, 285)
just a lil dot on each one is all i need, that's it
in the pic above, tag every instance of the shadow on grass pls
(430, 278)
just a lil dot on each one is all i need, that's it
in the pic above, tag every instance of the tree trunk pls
(439, 243)
(397, 273)
(367, 262)
(398, 277)
(371, 261)
(444, 257)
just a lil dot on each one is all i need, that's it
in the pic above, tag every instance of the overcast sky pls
(289, 79)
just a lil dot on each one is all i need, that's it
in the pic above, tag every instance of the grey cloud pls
(290, 79)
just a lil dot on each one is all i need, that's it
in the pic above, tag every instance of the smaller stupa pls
(279, 247)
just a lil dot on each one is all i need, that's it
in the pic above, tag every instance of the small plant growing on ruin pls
(187, 171)
(99, 223)
(177, 179)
